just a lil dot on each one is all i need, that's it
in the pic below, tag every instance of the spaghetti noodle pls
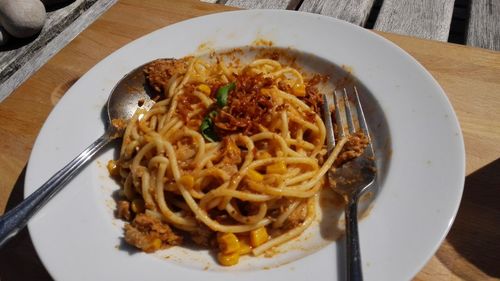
(230, 156)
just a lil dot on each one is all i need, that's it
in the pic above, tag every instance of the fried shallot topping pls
(247, 107)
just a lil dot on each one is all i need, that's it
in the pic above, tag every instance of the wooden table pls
(472, 22)
(469, 76)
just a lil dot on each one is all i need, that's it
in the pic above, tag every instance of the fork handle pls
(354, 271)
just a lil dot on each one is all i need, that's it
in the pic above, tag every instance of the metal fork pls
(354, 177)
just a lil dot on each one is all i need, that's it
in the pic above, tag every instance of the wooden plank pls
(353, 11)
(21, 58)
(428, 19)
(262, 4)
(484, 24)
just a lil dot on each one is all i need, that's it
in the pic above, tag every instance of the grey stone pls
(22, 18)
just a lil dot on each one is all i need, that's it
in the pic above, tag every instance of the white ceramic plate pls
(77, 237)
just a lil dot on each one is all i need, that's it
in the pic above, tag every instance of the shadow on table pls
(18, 258)
(475, 234)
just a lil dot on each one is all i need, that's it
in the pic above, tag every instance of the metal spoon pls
(128, 95)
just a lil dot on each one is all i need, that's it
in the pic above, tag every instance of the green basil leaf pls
(212, 114)
(223, 93)
(207, 127)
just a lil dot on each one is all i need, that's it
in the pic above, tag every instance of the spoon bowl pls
(129, 94)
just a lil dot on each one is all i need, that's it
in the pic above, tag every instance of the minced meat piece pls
(159, 72)
(353, 148)
(296, 217)
(230, 151)
(149, 234)
(123, 210)
(202, 236)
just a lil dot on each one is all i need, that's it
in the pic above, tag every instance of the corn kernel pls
(204, 89)
(113, 168)
(187, 181)
(258, 236)
(156, 245)
(263, 155)
(299, 90)
(276, 168)
(245, 247)
(228, 243)
(228, 259)
(254, 175)
(138, 205)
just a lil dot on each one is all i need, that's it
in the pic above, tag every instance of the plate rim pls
(423, 70)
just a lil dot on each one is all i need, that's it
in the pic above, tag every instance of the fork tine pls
(361, 115)
(349, 113)
(346, 116)
(339, 111)
(327, 117)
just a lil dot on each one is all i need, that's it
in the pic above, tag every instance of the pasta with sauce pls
(230, 157)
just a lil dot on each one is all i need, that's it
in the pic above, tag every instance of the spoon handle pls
(17, 218)
(354, 271)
